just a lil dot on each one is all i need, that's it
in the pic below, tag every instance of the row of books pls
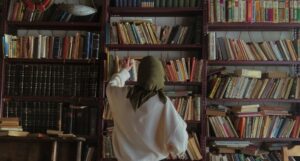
(34, 116)
(145, 32)
(182, 69)
(242, 86)
(272, 156)
(223, 48)
(10, 124)
(156, 3)
(18, 11)
(254, 11)
(252, 127)
(107, 149)
(188, 107)
(193, 149)
(52, 47)
(267, 127)
(38, 117)
(51, 80)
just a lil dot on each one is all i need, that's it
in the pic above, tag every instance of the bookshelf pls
(174, 16)
(247, 26)
(52, 92)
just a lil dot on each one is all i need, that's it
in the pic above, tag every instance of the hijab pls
(150, 82)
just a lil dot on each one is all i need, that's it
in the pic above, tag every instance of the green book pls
(175, 3)
(192, 3)
(162, 3)
(181, 3)
(169, 3)
(186, 3)
(157, 3)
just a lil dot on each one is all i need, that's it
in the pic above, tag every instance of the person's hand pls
(127, 63)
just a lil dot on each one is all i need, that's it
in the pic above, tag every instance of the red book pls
(249, 10)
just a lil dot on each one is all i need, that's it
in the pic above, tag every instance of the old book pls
(245, 108)
(275, 74)
(18, 133)
(248, 73)
(215, 112)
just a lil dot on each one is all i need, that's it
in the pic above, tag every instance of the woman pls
(146, 125)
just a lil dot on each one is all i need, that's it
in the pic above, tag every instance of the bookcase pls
(250, 25)
(51, 79)
(132, 17)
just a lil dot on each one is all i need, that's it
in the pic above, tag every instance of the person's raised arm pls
(119, 79)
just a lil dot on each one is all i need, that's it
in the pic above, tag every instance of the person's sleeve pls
(119, 79)
(179, 139)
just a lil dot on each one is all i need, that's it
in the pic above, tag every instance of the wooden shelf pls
(254, 139)
(52, 61)
(112, 159)
(172, 83)
(51, 98)
(154, 47)
(154, 12)
(244, 26)
(249, 62)
(44, 139)
(55, 25)
(187, 121)
(230, 100)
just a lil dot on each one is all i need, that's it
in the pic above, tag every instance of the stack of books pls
(10, 126)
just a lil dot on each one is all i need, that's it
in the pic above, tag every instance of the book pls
(18, 133)
(248, 73)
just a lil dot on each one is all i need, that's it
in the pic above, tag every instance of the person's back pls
(146, 124)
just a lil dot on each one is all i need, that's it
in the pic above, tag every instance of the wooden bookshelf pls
(46, 104)
(244, 27)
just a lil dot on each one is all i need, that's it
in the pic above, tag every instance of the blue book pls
(117, 3)
(57, 47)
(5, 46)
(86, 46)
(134, 3)
(107, 36)
(133, 28)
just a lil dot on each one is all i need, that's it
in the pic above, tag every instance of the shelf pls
(187, 121)
(154, 47)
(249, 62)
(44, 139)
(52, 61)
(254, 139)
(172, 83)
(244, 26)
(154, 12)
(55, 25)
(234, 100)
(51, 98)
(112, 159)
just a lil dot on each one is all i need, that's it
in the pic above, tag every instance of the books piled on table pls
(10, 126)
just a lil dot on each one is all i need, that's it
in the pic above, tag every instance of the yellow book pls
(18, 133)
(248, 73)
